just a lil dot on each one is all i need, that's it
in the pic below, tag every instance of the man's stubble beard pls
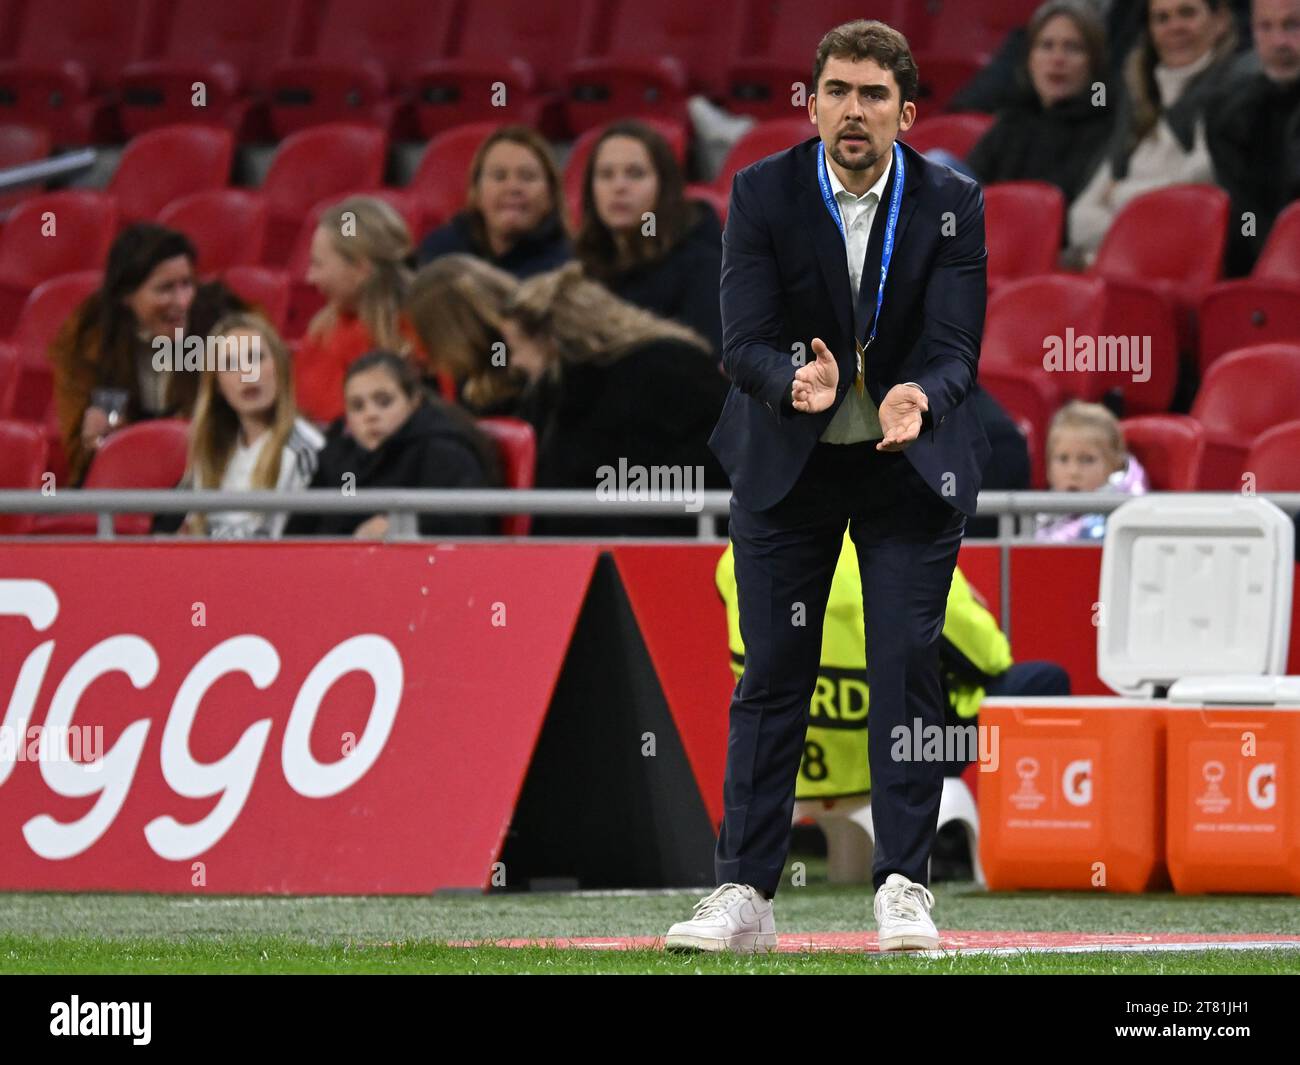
(865, 163)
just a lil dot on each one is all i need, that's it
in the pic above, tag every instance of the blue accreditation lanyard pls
(886, 255)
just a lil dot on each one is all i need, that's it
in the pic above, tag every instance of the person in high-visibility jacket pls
(975, 660)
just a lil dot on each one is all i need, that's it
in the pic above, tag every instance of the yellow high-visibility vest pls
(835, 750)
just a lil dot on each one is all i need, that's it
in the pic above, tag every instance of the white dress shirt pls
(857, 418)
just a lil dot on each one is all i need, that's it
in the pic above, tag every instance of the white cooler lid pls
(1194, 586)
(1238, 691)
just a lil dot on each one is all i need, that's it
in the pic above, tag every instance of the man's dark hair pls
(865, 39)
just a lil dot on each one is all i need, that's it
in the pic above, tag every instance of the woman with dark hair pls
(393, 435)
(514, 216)
(104, 362)
(1172, 74)
(1058, 128)
(642, 239)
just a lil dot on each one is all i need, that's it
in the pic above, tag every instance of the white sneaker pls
(735, 917)
(903, 915)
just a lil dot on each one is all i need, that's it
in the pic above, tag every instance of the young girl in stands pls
(247, 433)
(396, 437)
(359, 258)
(1086, 453)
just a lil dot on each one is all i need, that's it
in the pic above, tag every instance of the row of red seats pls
(93, 71)
(153, 455)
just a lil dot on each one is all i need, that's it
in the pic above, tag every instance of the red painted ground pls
(982, 942)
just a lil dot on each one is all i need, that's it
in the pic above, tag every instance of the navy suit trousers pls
(906, 537)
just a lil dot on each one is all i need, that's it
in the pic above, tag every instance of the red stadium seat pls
(23, 455)
(942, 75)
(359, 56)
(764, 139)
(62, 61)
(1029, 319)
(575, 167)
(1244, 393)
(1030, 401)
(1280, 259)
(1022, 225)
(526, 47)
(226, 226)
(1151, 243)
(1273, 459)
(957, 134)
(229, 47)
(164, 164)
(442, 178)
(601, 91)
(775, 43)
(312, 166)
(1139, 315)
(57, 233)
(1239, 314)
(1169, 446)
(18, 145)
(49, 306)
(266, 288)
(148, 454)
(973, 28)
(517, 445)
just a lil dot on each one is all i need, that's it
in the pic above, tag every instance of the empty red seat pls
(312, 166)
(1280, 259)
(942, 75)
(441, 181)
(230, 48)
(264, 287)
(957, 134)
(62, 61)
(19, 145)
(525, 48)
(23, 453)
(358, 58)
(575, 167)
(604, 90)
(164, 164)
(148, 454)
(1244, 393)
(1039, 327)
(226, 226)
(48, 307)
(764, 139)
(1169, 446)
(1153, 242)
(1140, 326)
(1273, 458)
(1237, 314)
(57, 233)
(517, 447)
(1023, 221)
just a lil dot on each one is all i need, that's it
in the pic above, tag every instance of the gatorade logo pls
(1076, 782)
(1261, 786)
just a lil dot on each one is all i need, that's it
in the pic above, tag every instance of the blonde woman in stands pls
(359, 256)
(247, 433)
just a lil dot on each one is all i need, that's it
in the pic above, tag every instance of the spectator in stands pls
(642, 239)
(1177, 67)
(611, 386)
(246, 432)
(1086, 453)
(394, 436)
(1253, 130)
(515, 218)
(455, 305)
(359, 256)
(1057, 130)
(104, 355)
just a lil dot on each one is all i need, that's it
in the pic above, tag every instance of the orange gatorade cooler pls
(1234, 796)
(1077, 799)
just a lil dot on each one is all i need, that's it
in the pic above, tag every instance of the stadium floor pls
(104, 933)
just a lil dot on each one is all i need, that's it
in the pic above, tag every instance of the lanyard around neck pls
(891, 222)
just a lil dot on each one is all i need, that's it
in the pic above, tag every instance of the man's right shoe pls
(735, 917)
(902, 910)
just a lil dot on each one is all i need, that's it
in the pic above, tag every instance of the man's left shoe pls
(902, 911)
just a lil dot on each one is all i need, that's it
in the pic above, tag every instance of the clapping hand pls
(900, 416)
(815, 384)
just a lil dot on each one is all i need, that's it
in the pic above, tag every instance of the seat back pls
(517, 446)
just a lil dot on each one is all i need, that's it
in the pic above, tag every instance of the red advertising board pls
(272, 718)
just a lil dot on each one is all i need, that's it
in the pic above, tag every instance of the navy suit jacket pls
(785, 280)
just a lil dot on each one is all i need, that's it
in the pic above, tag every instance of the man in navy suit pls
(853, 295)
